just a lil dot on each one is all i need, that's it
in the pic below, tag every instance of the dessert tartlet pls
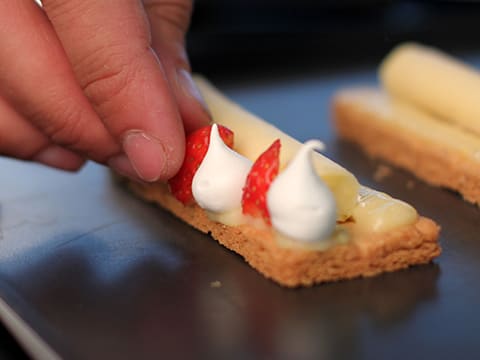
(294, 215)
(424, 118)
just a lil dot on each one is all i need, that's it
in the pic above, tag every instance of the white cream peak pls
(218, 183)
(301, 205)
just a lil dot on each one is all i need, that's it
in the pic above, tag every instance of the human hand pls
(103, 80)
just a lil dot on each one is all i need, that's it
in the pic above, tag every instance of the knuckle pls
(66, 128)
(114, 72)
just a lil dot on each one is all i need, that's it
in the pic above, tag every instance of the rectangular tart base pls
(364, 117)
(364, 255)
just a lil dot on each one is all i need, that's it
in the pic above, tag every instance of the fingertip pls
(148, 158)
(60, 158)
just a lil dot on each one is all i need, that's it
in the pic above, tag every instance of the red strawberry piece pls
(196, 147)
(262, 173)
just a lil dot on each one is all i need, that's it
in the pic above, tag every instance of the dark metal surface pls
(100, 274)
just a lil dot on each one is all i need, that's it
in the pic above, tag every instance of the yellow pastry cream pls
(378, 212)
(375, 212)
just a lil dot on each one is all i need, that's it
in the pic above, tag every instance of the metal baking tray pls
(89, 271)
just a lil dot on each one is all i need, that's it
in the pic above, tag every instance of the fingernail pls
(60, 158)
(146, 154)
(190, 89)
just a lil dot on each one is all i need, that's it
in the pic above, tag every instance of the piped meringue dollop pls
(218, 183)
(301, 205)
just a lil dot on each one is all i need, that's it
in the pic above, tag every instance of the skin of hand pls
(102, 80)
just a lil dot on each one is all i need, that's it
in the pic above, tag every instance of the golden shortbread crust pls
(363, 124)
(364, 255)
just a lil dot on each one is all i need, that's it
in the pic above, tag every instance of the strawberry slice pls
(196, 147)
(262, 173)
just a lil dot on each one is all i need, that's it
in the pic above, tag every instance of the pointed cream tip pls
(314, 145)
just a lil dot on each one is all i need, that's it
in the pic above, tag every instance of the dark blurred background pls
(243, 36)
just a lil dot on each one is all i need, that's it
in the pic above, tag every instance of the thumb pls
(108, 46)
(169, 21)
